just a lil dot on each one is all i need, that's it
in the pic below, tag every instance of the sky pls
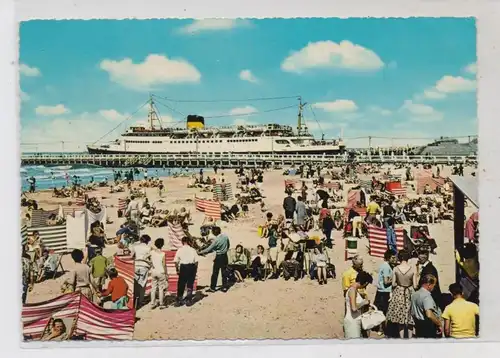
(397, 80)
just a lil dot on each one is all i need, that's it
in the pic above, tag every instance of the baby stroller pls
(414, 246)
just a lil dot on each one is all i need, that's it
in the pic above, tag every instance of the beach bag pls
(260, 230)
(120, 213)
(372, 318)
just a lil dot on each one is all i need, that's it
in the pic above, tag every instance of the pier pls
(227, 160)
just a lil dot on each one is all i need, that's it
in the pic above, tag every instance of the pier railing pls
(227, 159)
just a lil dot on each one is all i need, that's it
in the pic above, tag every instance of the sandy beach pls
(273, 309)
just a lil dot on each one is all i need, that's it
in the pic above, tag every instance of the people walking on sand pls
(159, 279)
(289, 205)
(355, 305)
(384, 285)
(220, 246)
(404, 281)
(32, 182)
(301, 211)
(349, 276)
(186, 265)
(141, 252)
(425, 311)
(425, 267)
(460, 316)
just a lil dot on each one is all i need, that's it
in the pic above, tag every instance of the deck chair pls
(267, 265)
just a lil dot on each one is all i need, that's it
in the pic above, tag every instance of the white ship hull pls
(262, 145)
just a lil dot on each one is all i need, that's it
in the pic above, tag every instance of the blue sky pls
(388, 78)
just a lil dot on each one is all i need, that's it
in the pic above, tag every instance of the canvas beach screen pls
(249, 179)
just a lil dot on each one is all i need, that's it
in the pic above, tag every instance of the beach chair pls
(267, 265)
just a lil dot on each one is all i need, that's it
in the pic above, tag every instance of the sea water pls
(48, 177)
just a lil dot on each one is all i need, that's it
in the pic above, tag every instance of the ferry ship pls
(195, 137)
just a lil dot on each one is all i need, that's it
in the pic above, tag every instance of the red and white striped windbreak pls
(122, 204)
(125, 267)
(175, 233)
(209, 207)
(92, 321)
(377, 237)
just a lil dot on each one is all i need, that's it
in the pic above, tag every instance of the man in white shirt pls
(186, 264)
(133, 209)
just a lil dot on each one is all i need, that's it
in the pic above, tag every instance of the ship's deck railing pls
(273, 157)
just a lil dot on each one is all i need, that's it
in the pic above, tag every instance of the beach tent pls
(395, 188)
(377, 238)
(89, 320)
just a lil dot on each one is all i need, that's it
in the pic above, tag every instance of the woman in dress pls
(404, 283)
(354, 304)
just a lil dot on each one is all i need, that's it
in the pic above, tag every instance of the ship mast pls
(152, 115)
(301, 126)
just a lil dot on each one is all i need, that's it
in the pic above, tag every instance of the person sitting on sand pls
(184, 216)
(238, 263)
(146, 214)
(117, 289)
(258, 264)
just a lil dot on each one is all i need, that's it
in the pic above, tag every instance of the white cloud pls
(452, 84)
(51, 110)
(155, 70)
(328, 54)
(198, 26)
(29, 71)
(247, 75)
(113, 114)
(340, 105)
(238, 111)
(421, 112)
(432, 93)
(24, 96)
(471, 68)
(447, 85)
(382, 111)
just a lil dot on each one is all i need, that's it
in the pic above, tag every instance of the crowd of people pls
(408, 289)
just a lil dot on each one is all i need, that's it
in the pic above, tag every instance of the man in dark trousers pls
(289, 205)
(186, 264)
(220, 246)
(425, 267)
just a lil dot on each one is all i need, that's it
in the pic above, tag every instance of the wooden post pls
(458, 224)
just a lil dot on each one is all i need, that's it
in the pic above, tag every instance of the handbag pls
(372, 318)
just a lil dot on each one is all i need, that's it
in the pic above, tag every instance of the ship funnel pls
(194, 121)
